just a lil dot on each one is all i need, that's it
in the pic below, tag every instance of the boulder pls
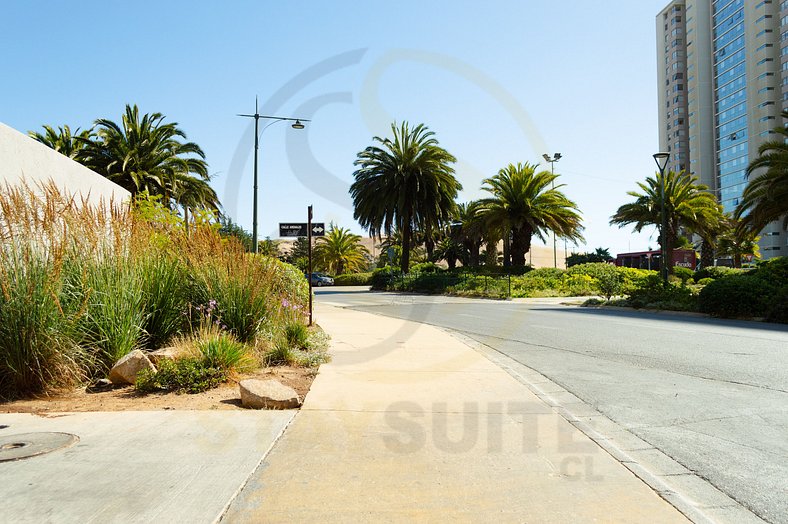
(126, 369)
(170, 353)
(268, 394)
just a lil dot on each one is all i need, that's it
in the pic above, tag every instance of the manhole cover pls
(25, 445)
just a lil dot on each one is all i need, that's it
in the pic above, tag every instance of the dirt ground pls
(126, 398)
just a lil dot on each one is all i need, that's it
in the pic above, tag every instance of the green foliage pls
(221, 350)
(296, 335)
(653, 294)
(715, 272)
(527, 203)
(705, 281)
(228, 228)
(735, 296)
(682, 273)
(404, 181)
(425, 267)
(598, 255)
(353, 279)
(384, 277)
(340, 251)
(759, 293)
(80, 287)
(190, 375)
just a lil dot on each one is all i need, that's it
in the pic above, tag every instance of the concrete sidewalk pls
(135, 466)
(410, 424)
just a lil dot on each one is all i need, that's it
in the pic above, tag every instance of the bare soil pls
(126, 398)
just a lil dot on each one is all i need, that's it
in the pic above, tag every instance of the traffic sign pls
(300, 229)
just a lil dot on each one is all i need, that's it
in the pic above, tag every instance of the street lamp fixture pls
(555, 158)
(662, 161)
(297, 124)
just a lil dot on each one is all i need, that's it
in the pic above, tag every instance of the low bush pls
(221, 350)
(714, 272)
(425, 267)
(383, 277)
(682, 273)
(353, 279)
(653, 294)
(705, 281)
(296, 335)
(736, 296)
(190, 375)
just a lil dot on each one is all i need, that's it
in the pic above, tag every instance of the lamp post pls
(662, 160)
(555, 158)
(297, 124)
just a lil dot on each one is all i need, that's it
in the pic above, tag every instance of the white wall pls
(25, 160)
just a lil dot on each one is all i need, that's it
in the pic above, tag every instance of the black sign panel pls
(299, 229)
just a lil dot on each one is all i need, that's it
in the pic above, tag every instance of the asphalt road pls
(711, 394)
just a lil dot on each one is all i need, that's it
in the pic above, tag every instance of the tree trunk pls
(507, 259)
(429, 246)
(521, 244)
(706, 254)
(474, 253)
(491, 255)
(406, 233)
(737, 260)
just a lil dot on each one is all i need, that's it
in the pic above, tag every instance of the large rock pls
(268, 394)
(126, 369)
(170, 353)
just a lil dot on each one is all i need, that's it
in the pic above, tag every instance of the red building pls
(651, 259)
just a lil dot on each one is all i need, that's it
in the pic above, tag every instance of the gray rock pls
(268, 394)
(126, 369)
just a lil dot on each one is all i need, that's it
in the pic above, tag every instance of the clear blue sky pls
(498, 82)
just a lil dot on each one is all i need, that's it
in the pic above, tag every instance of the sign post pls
(309, 251)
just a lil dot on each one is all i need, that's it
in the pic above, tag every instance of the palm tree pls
(765, 199)
(688, 204)
(523, 204)
(194, 194)
(143, 154)
(471, 231)
(63, 140)
(406, 183)
(737, 241)
(450, 250)
(340, 251)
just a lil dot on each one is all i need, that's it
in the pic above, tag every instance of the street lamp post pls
(297, 124)
(662, 160)
(555, 158)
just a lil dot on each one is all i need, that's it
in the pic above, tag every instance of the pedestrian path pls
(407, 423)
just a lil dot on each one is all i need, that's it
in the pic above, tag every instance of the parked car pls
(321, 279)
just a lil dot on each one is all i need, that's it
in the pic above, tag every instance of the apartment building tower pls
(722, 71)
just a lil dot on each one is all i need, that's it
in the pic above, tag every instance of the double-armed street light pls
(297, 124)
(662, 161)
(555, 158)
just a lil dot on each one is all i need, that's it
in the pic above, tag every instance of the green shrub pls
(705, 281)
(296, 335)
(425, 267)
(683, 273)
(221, 350)
(165, 285)
(714, 272)
(654, 295)
(353, 279)
(736, 296)
(777, 310)
(190, 375)
(383, 277)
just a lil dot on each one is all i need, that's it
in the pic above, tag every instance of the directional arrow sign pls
(300, 229)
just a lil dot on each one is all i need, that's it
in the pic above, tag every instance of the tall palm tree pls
(765, 199)
(688, 204)
(340, 251)
(406, 183)
(143, 154)
(64, 141)
(194, 194)
(523, 204)
(471, 231)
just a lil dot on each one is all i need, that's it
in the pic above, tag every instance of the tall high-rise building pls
(722, 70)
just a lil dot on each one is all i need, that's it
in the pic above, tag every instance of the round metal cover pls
(25, 445)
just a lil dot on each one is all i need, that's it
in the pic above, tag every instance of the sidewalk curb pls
(703, 504)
